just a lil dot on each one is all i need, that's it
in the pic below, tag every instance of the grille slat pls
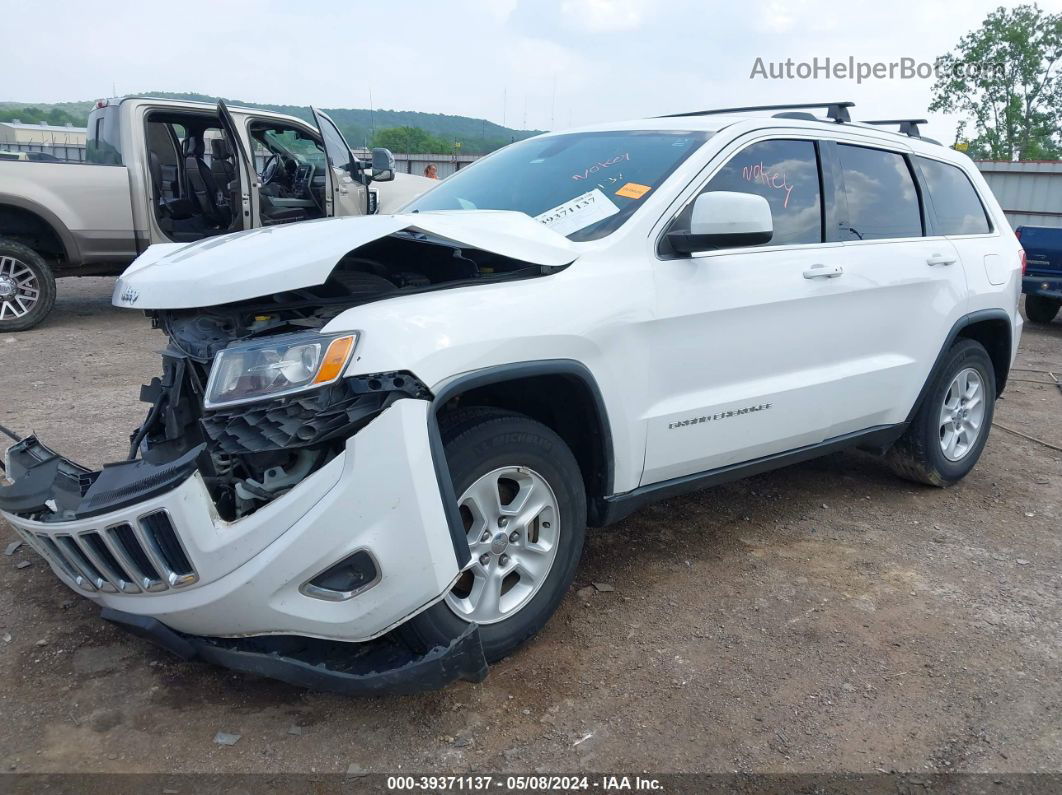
(105, 579)
(96, 548)
(73, 553)
(163, 545)
(53, 553)
(125, 538)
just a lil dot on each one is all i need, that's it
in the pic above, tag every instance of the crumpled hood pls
(259, 262)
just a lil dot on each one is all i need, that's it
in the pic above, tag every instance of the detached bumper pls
(372, 668)
(165, 554)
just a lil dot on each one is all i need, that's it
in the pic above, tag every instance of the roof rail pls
(907, 126)
(838, 111)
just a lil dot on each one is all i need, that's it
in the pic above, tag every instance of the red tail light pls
(1024, 263)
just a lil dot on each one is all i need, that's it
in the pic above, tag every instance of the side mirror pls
(383, 165)
(724, 219)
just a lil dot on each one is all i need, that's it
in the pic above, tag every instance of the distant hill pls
(476, 136)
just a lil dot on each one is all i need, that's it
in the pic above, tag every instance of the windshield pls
(582, 185)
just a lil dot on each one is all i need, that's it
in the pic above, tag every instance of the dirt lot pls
(824, 617)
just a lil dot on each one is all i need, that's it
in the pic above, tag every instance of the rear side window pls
(955, 202)
(104, 145)
(882, 199)
(786, 174)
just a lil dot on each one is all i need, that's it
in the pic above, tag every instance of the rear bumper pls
(1049, 286)
(372, 668)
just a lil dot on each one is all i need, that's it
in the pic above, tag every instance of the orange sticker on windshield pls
(632, 190)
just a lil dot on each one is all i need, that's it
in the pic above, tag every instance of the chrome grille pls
(147, 557)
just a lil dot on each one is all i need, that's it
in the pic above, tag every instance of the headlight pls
(277, 366)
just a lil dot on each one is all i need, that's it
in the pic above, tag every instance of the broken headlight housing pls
(277, 366)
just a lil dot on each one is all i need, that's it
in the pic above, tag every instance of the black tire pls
(477, 441)
(45, 281)
(1041, 309)
(917, 455)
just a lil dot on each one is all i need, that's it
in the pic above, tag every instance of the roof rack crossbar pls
(838, 111)
(907, 126)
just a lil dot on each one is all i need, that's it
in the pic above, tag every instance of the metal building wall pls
(1030, 193)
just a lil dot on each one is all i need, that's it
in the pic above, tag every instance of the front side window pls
(958, 209)
(882, 199)
(786, 174)
(582, 185)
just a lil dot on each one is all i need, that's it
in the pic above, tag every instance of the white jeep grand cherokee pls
(377, 442)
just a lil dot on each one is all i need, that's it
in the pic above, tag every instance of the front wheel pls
(945, 439)
(1041, 309)
(523, 506)
(27, 287)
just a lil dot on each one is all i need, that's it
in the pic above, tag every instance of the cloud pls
(603, 16)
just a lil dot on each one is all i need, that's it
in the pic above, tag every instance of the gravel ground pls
(825, 617)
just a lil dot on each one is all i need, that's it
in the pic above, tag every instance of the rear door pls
(907, 285)
(245, 171)
(345, 193)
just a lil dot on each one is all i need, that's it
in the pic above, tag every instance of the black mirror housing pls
(687, 243)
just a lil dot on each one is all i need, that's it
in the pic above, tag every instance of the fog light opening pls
(344, 580)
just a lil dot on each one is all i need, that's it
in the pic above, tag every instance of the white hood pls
(259, 262)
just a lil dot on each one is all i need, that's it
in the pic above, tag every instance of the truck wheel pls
(523, 504)
(1041, 309)
(27, 287)
(949, 431)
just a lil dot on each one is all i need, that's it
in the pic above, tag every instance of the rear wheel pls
(1041, 309)
(27, 287)
(949, 431)
(523, 506)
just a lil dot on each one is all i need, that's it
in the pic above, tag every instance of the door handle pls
(823, 271)
(940, 259)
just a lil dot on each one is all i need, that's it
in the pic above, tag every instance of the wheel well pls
(564, 403)
(28, 228)
(994, 335)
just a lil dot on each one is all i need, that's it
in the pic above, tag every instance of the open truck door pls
(347, 192)
(349, 178)
(246, 204)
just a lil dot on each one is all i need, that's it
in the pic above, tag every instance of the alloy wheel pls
(19, 288)
(512, 524)
(962, 414)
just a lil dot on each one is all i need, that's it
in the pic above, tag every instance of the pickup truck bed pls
(92, 201)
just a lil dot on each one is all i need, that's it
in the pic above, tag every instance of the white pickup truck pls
(165, 171)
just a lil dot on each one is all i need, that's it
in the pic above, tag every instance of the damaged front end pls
(283, 515)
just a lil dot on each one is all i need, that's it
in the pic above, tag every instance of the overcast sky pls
(545, 64)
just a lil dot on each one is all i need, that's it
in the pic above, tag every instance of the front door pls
(345, 194)
(248, 176)
(743, 342)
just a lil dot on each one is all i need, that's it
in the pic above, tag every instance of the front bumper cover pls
(377, 667)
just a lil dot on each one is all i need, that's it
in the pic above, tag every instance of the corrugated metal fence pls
(1030, 192)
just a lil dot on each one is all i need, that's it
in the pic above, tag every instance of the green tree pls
(411, 140)
(1002, 79)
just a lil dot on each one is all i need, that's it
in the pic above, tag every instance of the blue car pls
(1042, 283)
